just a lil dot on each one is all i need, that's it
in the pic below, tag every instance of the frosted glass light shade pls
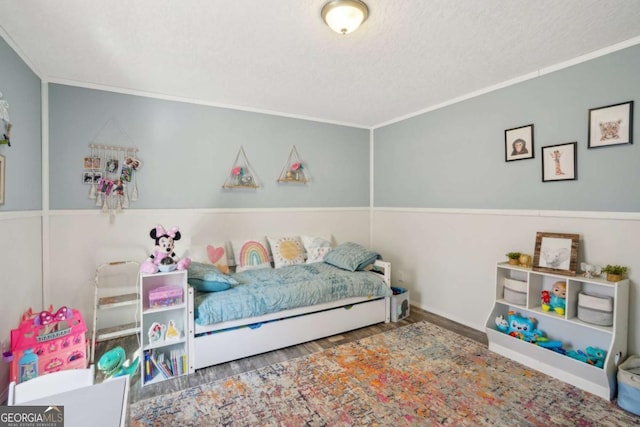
(344, 16)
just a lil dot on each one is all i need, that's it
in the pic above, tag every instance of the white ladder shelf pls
(104, 302)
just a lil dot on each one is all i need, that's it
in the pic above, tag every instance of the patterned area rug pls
(419, 375)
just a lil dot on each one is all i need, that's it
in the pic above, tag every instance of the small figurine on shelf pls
(590, 270)
(556, 300)
(156, 332)
(173, 332)
(163, 257)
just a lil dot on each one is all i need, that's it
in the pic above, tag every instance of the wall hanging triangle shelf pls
(293, 170)
(241, 174)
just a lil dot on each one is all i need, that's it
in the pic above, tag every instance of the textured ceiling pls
(278, 56)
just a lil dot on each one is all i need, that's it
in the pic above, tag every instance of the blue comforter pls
(269, 290)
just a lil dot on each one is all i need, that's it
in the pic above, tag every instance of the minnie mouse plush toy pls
(163, 257)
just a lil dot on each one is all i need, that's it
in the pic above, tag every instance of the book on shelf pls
(171, 364)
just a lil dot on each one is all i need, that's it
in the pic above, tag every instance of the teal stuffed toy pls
(525, 328)
(594, 356)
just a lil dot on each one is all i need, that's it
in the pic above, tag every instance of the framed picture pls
(518, 143)
(559, 162)
(611, 125)
(556, 253)
(2, 167)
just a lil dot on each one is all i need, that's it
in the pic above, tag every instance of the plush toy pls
(556, 300)
(502, 324)
(163, 257)
(524, 328)
(594, 356)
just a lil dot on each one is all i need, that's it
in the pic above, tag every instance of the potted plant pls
(615, 273)
(514, 258)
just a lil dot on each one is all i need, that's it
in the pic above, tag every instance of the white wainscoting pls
(20, 276)
(447, 257)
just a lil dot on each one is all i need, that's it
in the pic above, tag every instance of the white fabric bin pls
(515, 291)
(595, 309)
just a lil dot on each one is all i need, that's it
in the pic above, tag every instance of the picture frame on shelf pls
(518, 143)
(556, 253)
(611, 125)
(560, 162)
(2, 178)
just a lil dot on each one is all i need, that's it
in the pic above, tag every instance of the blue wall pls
(21, 88)
(454, 157)
(188, 151)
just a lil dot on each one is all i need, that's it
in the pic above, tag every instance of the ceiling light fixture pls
(344, 16)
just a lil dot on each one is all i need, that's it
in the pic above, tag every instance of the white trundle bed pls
(230, 340)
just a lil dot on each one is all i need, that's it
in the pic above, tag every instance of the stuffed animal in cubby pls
(525, 328)
(556, 300)
(163, 257)
(594, 356)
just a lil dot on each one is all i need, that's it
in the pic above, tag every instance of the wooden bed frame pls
(226, 341)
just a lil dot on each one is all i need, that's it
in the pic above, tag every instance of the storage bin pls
(164, 296)
(629, 385)
(399, 304)
(595, 309)
(515, 291)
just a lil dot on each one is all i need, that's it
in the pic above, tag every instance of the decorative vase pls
(514, 261)
(614, 277)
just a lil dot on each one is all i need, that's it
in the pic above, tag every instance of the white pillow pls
(286, 251)
(316, 247)
(251, 254)
(216, 254)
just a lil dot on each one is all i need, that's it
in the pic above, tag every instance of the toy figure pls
(594, 356)
(502, 324)
(113, 363)
(163, 254)
(555, 301)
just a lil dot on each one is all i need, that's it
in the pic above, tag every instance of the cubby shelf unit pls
(568, 328)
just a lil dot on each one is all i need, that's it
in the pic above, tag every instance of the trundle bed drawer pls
(223, 346)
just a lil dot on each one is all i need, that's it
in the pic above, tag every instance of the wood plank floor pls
(224, 370)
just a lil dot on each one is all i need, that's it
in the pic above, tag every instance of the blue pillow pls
(208, 286)
(351, 257)
(209, 273)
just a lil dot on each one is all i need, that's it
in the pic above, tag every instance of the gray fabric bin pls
(515, 291)
(595, 309)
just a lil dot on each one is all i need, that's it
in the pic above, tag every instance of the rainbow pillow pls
(251, 254)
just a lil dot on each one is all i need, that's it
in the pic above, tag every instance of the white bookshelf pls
(171, 344)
